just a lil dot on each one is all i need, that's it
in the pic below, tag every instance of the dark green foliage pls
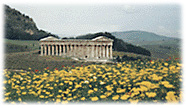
(21, 27)
(165, 47)
(118, 59)
(138, 50)
(125, 58)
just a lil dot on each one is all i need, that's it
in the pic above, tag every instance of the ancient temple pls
(97, 48)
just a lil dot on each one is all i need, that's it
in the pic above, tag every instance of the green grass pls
(157, 52)
(12, 46)
(118, 53)
(24, 61)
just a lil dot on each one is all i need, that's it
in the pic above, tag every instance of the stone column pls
(80, 50)
(63, 49)
(52, 49)
(41, 50)
(45, 50)
(60, 50)
(107, 51)
(74, 51)
(111, 51)
(70, 50)
(67, 49)
(77, 50)
(103, 50)
(88, 53)
(96, 52)
(48, 49)
(92, 52)
(56, 49)
(100, 51)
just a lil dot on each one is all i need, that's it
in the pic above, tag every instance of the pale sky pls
(76, 19)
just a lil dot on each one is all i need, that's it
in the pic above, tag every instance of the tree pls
(118, 59)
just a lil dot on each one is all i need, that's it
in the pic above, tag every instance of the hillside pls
(118, 44)
(159, 46)
(143, 37)
(18, 26)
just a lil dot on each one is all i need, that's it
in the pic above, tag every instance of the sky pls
(80, 19)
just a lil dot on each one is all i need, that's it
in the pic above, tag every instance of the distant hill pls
(143, 37)
(118, 44)
(159, 46)
(21, 27)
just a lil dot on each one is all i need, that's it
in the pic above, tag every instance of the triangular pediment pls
(49, 38)
(102, 38)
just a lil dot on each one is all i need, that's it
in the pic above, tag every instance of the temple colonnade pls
(100, 47)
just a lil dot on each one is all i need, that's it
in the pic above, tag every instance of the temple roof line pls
(100, 38)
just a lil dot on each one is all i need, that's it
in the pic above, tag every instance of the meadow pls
(154, 81)
(29, 77)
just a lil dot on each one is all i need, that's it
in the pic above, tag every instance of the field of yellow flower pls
(126, 82)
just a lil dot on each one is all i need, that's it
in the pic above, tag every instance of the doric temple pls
(97, 48)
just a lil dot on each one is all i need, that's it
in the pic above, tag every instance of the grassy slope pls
(155, 47)
(21, 58)
(35, 61)
(14, 45)
(164, 53)
(152, 42)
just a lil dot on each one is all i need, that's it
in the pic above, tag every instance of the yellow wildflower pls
(115, 97)
(166, 64)
(90, 91)
(94, 98)
(124, 97)
(164, 82)
(64, 102)
(171, 97)
(169, 86)
(133, 101)
(143, 88)
(13, 102)
(23, 93)
(47, 93)
(6, 98)
(95, 89)
(69, 98)
(102, 96)
(7, 94)
(58, 100)
(19, 99)
(60, 91)
(151, 94)
(58, 96)
(70, 83)
(41, 96)
(83, 98)
(119, 90)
